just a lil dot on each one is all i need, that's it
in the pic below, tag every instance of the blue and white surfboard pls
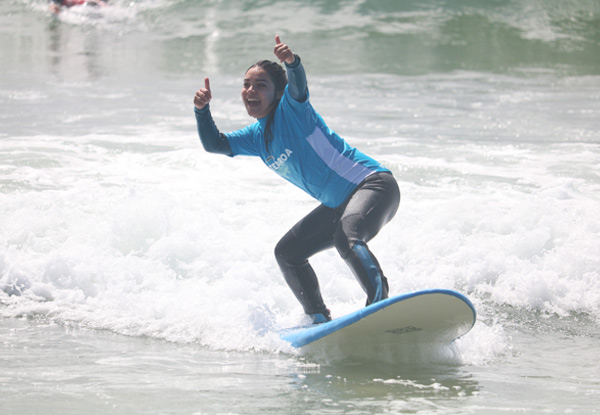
(428, 316)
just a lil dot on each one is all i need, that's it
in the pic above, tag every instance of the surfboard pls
(419, 317)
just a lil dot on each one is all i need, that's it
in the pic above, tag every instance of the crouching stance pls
(357, 194)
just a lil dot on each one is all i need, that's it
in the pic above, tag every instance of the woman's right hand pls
(203, 95)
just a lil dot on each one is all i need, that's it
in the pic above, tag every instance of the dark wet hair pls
(279, 78)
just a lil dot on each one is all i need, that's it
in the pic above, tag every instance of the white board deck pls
(428, 316)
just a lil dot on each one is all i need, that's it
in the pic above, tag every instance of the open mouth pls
(253, 102)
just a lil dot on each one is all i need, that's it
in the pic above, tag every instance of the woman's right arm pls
(212, 140)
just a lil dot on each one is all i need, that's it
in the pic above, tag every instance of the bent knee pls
(288, 254)
(343, 243)
(281, 252)
(347, 234)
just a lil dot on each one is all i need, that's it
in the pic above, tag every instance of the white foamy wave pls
(176, 244)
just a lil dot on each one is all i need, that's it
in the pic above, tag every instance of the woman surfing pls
(357, 194)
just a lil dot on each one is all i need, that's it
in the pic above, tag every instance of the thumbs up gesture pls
(283, 51)
(203, 95)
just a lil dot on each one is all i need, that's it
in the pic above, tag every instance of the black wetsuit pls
(348, 227)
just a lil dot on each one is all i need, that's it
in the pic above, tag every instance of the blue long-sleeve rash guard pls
(304, 150)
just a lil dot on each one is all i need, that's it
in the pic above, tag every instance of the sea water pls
(137, 271)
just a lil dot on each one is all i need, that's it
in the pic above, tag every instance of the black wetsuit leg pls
(348, 227)
(372, 205)
(313, 234)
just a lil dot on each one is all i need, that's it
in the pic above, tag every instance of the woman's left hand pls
(283, 51)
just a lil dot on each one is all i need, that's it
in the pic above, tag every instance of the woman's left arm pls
(297, 85)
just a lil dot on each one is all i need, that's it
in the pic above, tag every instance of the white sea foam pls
(177, 244)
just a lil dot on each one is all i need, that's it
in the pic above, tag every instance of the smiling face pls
(258, 92)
